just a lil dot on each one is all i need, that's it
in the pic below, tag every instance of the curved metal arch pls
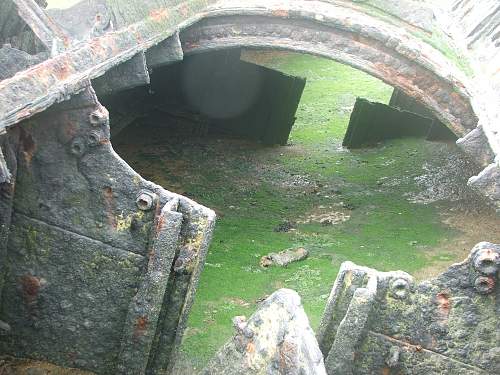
(358, 40)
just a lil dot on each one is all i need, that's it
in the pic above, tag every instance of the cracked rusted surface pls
(444, 325)
(91, 281)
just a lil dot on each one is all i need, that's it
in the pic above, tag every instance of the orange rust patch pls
(97, 48)
(158, 15)
(31, 287)
(490, 281)
(386, 371)
(62, 70)
(28, 146)
(140, 326)
(280, 13)
(444, 306)
(192, 45)
(109, 204)
(160, 223)
(250, 347)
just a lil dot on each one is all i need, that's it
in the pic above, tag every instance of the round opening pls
(144, 203)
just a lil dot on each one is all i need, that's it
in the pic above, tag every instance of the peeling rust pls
(159, 15)
(141, 326)
(444, 305)
(281, 13)
(28, 146)
(485, 284)
(30, 288)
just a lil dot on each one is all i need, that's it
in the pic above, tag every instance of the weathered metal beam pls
(144, 311)
(53, 81)
(42, 26)
(165, 53)
(130, 74)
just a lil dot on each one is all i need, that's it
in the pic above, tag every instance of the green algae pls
(254, 189)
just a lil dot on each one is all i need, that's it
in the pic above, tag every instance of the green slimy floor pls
(398, 205)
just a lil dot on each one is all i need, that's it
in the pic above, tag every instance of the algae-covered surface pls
(398, 205)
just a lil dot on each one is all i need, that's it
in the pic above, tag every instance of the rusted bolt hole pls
(143, 204)
(484, 285)
(487, 261)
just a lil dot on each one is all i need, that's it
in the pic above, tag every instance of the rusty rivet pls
(94, 138)
(99, 117)
(484, 284)
(145, 200)
(77, 146)
(399, 288)
(487, 261)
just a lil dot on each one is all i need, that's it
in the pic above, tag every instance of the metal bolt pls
(146, 200)
(484, 284)
(399, 288)
(99, 117)
(94, 138)
(77, 146)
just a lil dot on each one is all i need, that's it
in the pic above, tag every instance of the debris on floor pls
(285, 226)
(284, 258)
(326, 218)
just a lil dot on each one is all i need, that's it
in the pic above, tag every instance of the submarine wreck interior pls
(233, 187)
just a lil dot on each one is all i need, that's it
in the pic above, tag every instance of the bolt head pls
(484, 284)
(77, 146)
(99, 117)
(400, 288)
(146, 200)
(94, 139)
